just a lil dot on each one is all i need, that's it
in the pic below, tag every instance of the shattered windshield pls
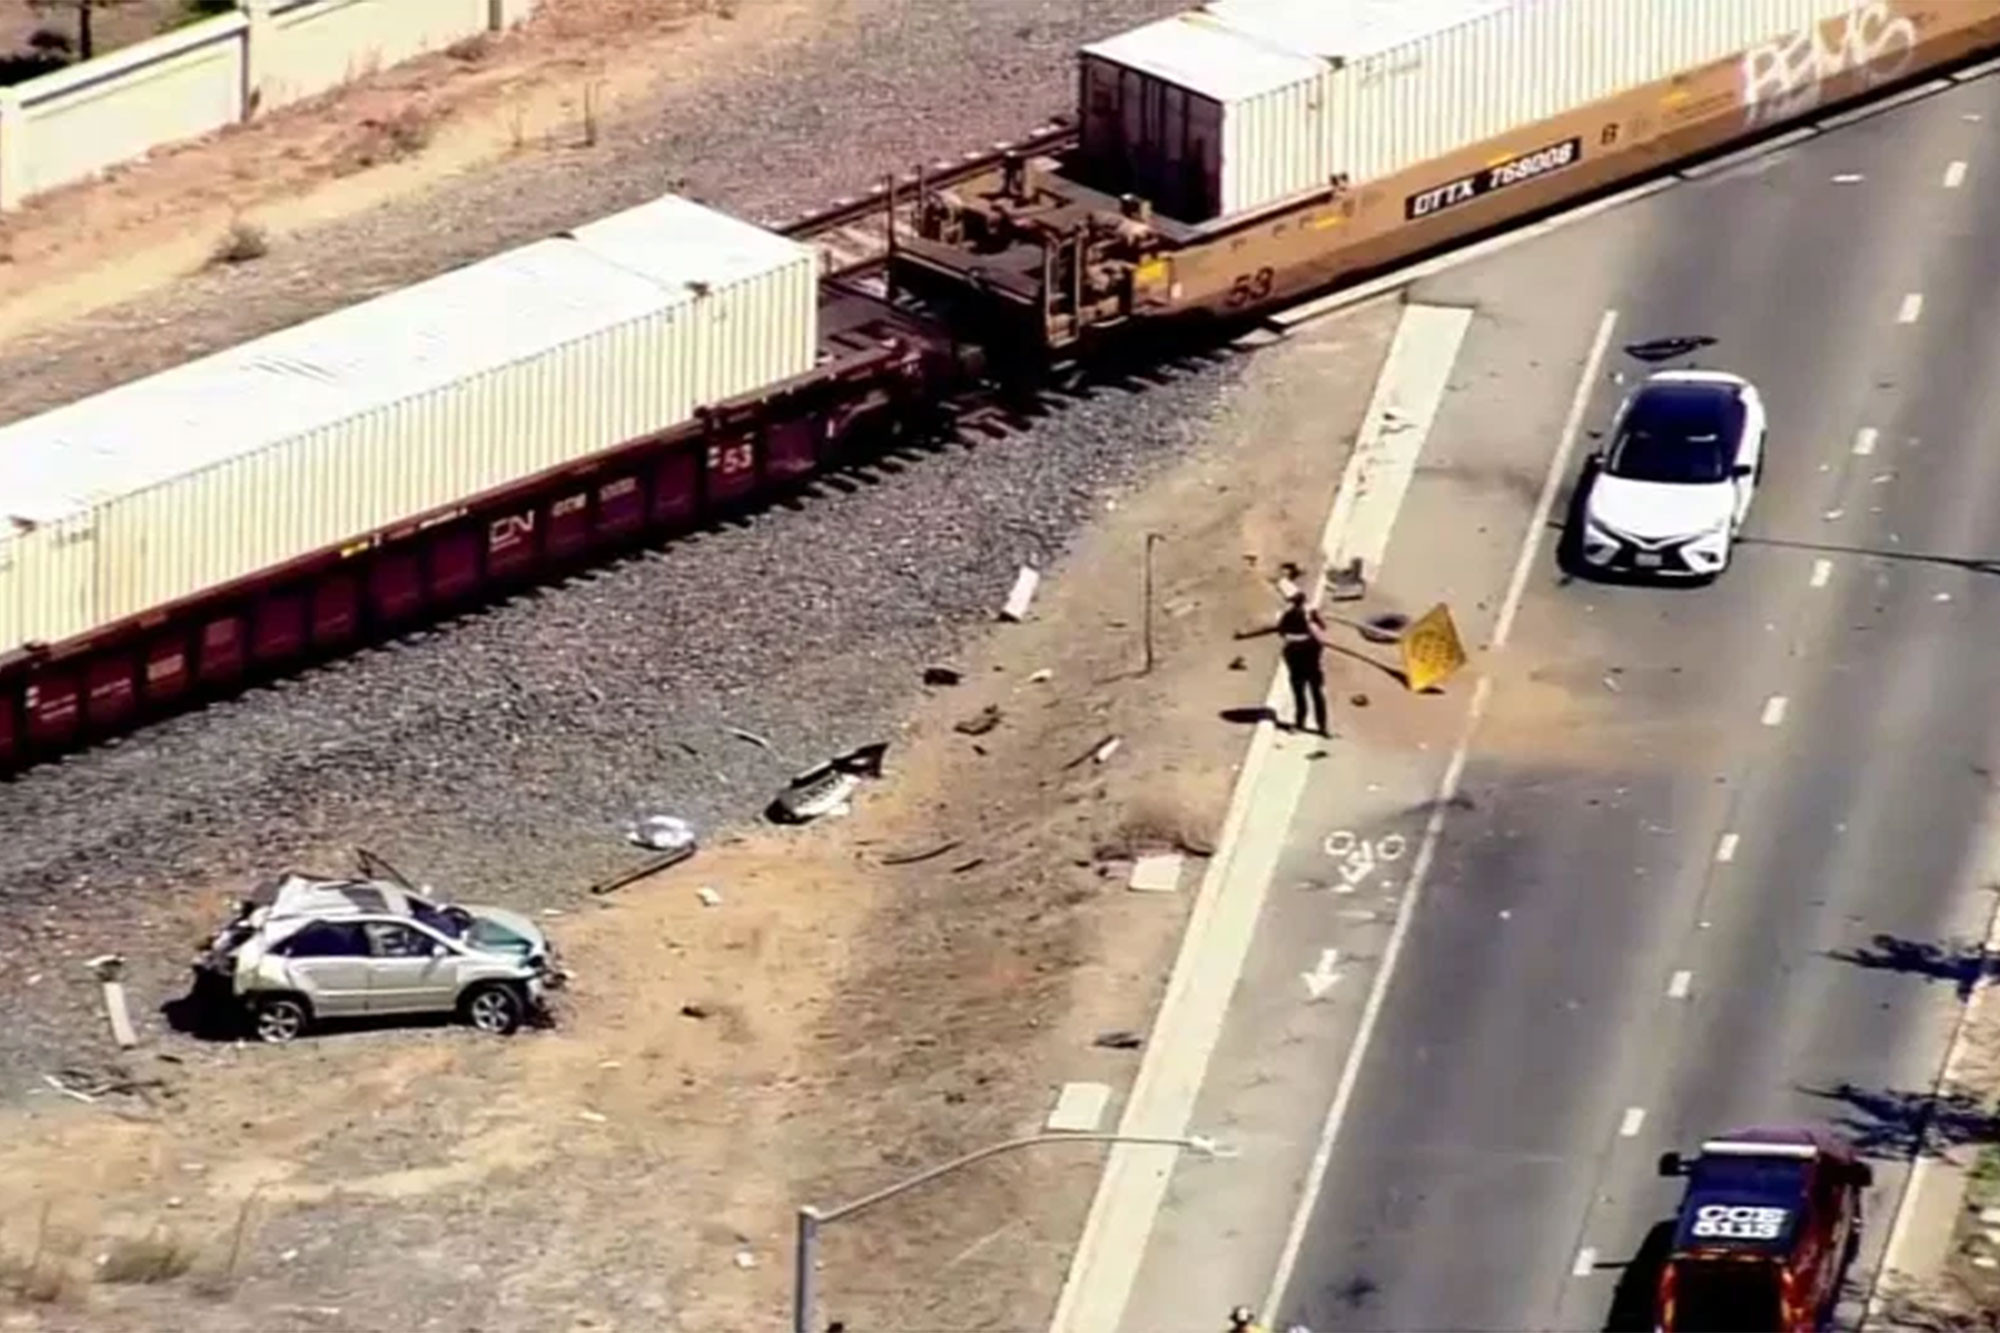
(448, 924)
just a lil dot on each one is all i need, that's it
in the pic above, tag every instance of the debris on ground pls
(942, 675)
(108, 968)
(1347, 584)
(709, 897)
(827, 788)
(1041, 677)
(1358, 700)
(1022, 594)
(661, 833)
(1238, 664)
(979, 723)
(1119, 1040)
(692, 1010)
(1159, 872)
(761, 742)
(1100, 751)
(912, 858)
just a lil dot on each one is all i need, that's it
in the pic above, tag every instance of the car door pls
(328, 963)
(410, 970)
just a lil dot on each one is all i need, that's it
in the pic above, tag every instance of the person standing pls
(1302, 636)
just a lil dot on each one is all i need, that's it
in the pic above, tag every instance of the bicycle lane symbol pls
(1358, 857)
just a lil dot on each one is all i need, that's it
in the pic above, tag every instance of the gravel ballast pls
(497, 758)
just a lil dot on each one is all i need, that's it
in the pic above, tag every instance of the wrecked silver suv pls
(302, 948)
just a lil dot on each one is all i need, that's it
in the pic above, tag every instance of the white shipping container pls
(309, 437)
(1405, 81)
(1402, 95)
(1202, 121)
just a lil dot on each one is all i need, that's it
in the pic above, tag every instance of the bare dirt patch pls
(833, 1023)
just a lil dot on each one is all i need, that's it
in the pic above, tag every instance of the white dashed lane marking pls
(1635, 1116)
(1586, 1262)
(1913, 305)
(1822, 571)
(1774, 710)
(1954, 175)
(1725, 850)
(1864, 439)
(1678, 987)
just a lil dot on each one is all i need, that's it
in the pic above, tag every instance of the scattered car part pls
(826, 787)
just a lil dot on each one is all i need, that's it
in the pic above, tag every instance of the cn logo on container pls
(512, 530)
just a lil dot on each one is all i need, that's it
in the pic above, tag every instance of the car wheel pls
(494, 1009)
(281, 1018)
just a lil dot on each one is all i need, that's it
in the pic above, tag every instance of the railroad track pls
(852, 234)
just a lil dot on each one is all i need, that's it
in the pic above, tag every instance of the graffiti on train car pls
(1787, 77)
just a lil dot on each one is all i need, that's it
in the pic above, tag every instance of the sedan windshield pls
(1681, 433)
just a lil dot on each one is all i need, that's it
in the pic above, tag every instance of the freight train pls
(177, 538)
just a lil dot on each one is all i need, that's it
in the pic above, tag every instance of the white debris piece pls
(1079, 1108)
(709, 897)
(1158, 873)
(661, 833)
(1022, 595)
(745, 1259)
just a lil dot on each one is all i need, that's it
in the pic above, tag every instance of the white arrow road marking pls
(1320, 980)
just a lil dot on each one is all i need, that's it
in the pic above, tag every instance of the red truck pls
(1768, 1226)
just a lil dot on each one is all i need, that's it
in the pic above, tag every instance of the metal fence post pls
(805, 1261)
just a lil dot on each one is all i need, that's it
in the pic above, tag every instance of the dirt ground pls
(832, 1024)
(549, 86)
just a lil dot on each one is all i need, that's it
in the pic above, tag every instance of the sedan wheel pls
(280, 1020)
(494, 1009)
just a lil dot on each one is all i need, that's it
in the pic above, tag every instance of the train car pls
(185, 535)
(1246, 154)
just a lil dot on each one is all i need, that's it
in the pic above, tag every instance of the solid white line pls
(1187, 1025)
(1725, 851)
(1350, 1073)
(1954, 175)
(1774, 710)
(1864, 441)
(1913, 306)
(1677, 986)
(1586, 1262)
(1545, 505)
(1635, 1116)
(1822, 571)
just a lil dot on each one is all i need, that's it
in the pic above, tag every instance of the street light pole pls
(811, 1219)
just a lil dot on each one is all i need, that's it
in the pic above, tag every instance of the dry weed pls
(158, 1256)
(471, 50)
(389, 139)
(1157, 821)
(242, 243)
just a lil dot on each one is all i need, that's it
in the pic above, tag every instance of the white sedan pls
(1671, 492)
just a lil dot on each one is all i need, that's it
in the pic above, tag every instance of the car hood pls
(497, 930)
(1657, 510)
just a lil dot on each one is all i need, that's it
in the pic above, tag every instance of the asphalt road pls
(1485, 1150)
(1718, 851)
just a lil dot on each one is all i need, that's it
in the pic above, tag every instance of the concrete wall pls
(69, 125)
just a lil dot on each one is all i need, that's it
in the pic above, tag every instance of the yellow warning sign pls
(1432, 653)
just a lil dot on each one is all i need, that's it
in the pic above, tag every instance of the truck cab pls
(1768, 1225)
